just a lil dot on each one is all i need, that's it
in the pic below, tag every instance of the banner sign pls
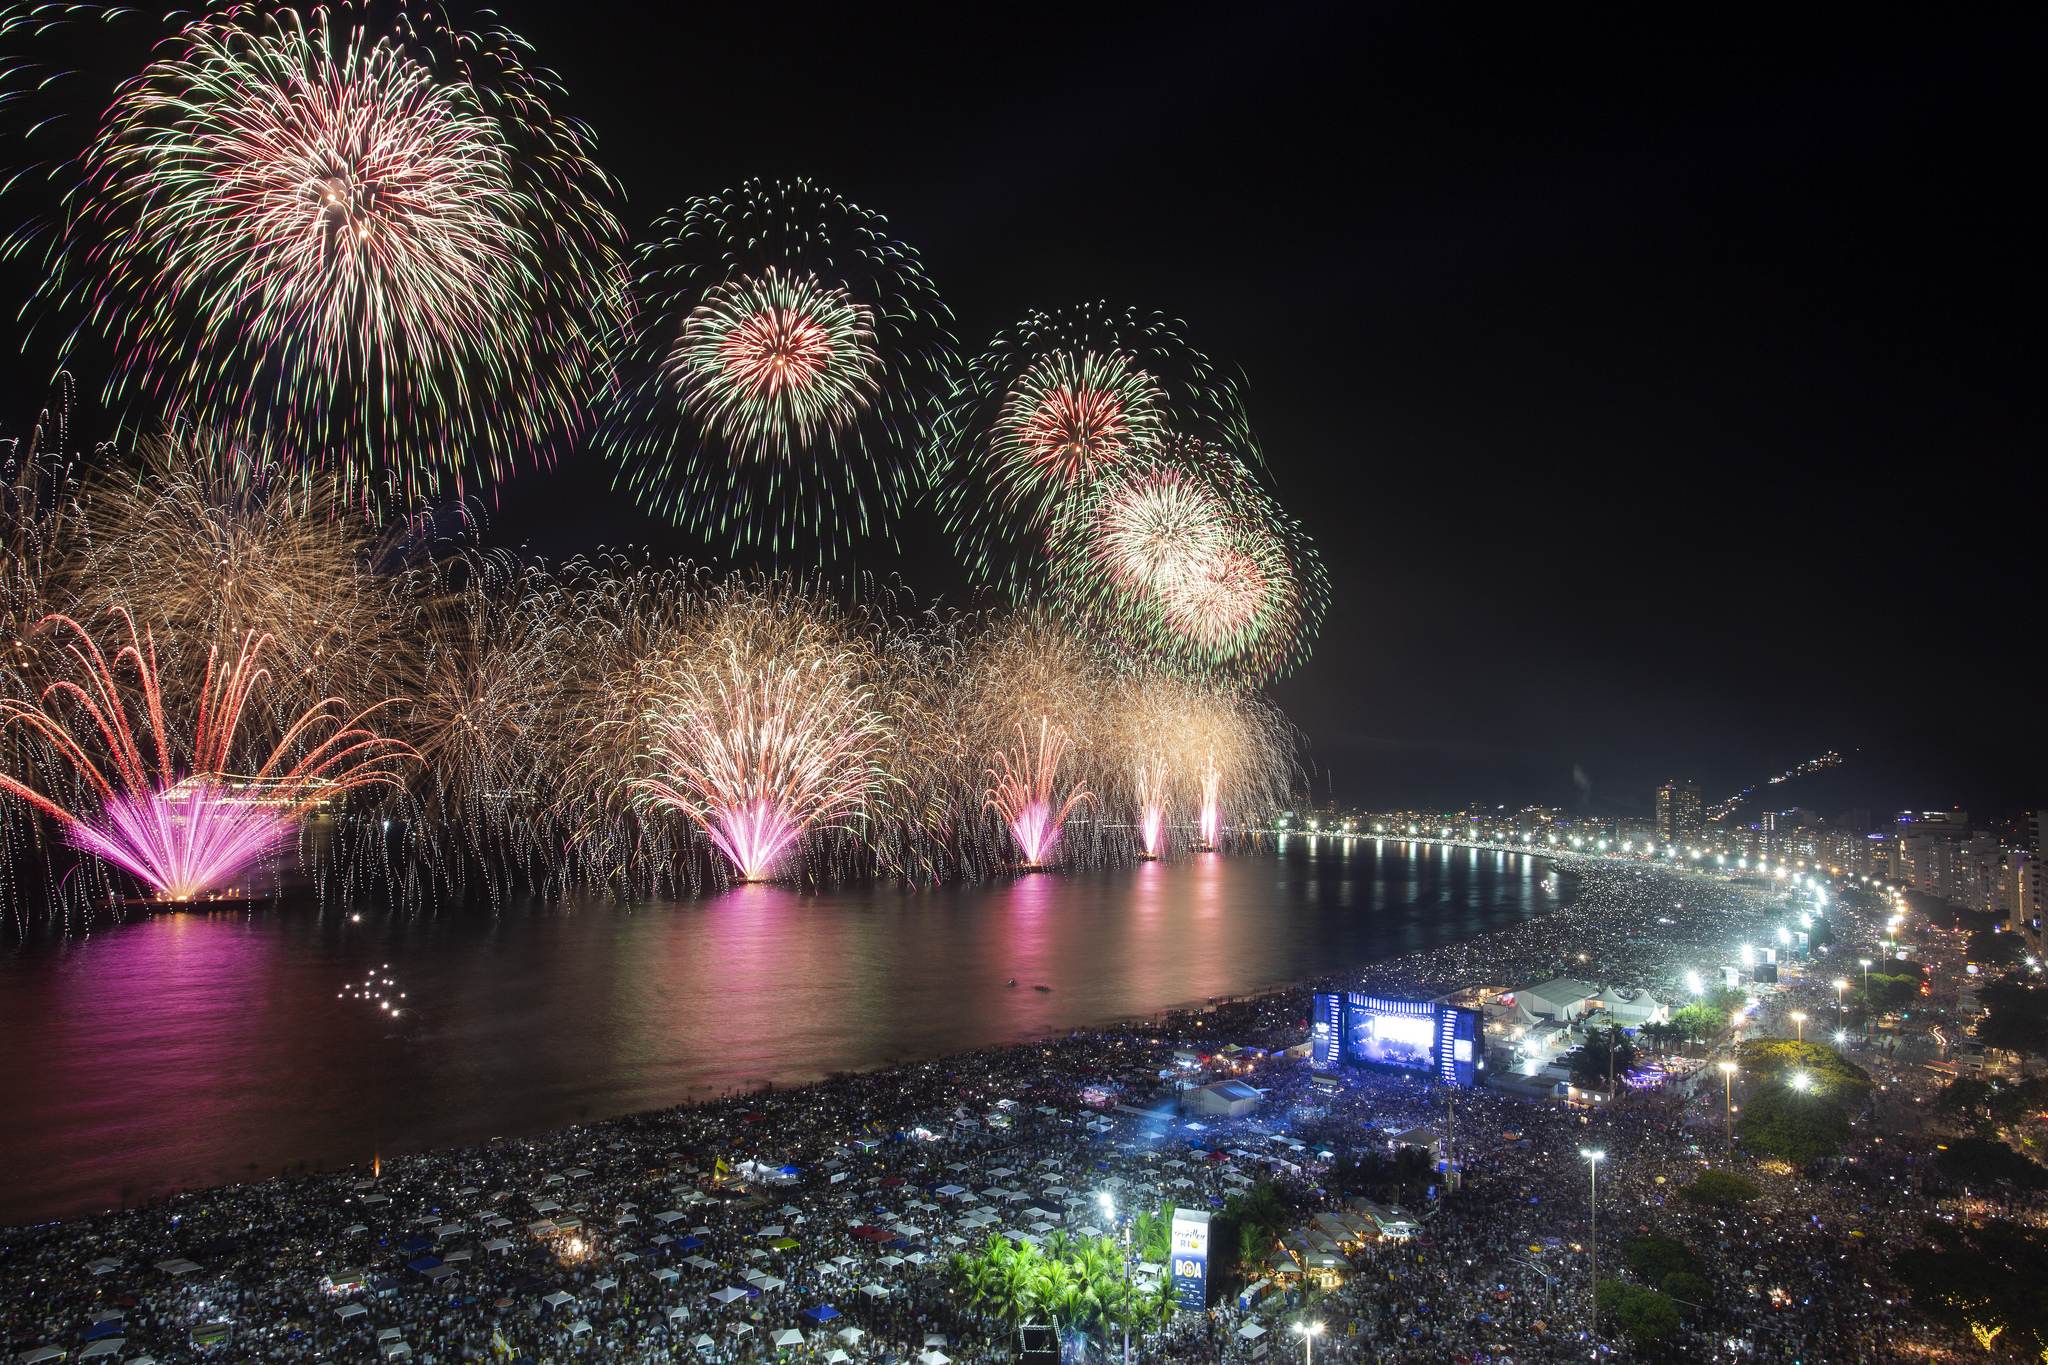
(1190, 1261)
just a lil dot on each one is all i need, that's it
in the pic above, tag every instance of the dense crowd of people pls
(818, 1224)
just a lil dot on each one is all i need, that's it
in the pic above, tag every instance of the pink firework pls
(188, 828)
(1211, 817)
(1024, 790)
(185, 841)
(1151, 788)
(760, 748)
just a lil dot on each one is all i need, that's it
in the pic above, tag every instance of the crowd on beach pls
(817, 1224)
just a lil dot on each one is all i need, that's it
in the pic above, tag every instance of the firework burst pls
(344, 238)
(1191, 563)
(1025, 788)
(761, 731)
(185, 824)
(1055, 402)
(785, 350)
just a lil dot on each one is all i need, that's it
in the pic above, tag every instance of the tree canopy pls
(1830, 1073)
(1985, 1161)
(1720, 1189)
(1800, 1126)
(1986, 1280)
(1644, 1316)
(2018, 1016)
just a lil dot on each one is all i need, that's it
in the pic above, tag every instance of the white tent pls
(850, 1335)
(667, 1273)
(934, 1358)
(934, 1339)
(702, 1341)
(836, 1357)
(348, 1312)
(677, 1311)
(579, 1327)
(726, 1296)
(874, 1291)
(557, 1299)
(740, 1329)
(788, 1336)
(1251, 1329)
(105, 1346)
(177, 1266)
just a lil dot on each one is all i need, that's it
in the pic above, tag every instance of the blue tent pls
(423, 1263)
(112, 1327)
(689, 1244)
(822, 1314)
(413, 1246)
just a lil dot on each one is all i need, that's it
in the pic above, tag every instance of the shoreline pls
(1369, 973)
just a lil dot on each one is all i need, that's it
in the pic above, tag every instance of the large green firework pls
(362, 243)
(786, 358)
(1055, 401)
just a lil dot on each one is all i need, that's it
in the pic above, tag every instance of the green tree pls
(1720, 1189)
(1152, 1236)
(1983, 1161)
(1687, 1288)
(1700, 1021)
(1830, 1074)
(1990, 948)
(1965, 1096)
(1654, 1256)
(1798, 1126)
(1894, 991)
(1644, 1316)
(1591, 1069)
(2017, 1020)
(1983, 1279)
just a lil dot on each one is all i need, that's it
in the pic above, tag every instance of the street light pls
(1728, 1098)
(1594, 1156)
(1308, 1332)
(1801, 1082)
(1798, 1026)
(1866, 979)
(1108, 1203)
(1841, 984)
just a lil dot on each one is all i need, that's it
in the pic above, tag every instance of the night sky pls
(1650, 378)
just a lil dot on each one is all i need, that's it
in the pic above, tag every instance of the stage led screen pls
(1388, 1032)
(1380, 1039)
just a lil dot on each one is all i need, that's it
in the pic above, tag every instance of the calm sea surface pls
(191, 1049)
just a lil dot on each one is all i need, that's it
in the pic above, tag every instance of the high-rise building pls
(1681, 815)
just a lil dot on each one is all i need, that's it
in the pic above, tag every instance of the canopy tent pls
(850, 1335)
(787, 1337)
(874, 1291)
(726, 1296)
(822, 1314)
